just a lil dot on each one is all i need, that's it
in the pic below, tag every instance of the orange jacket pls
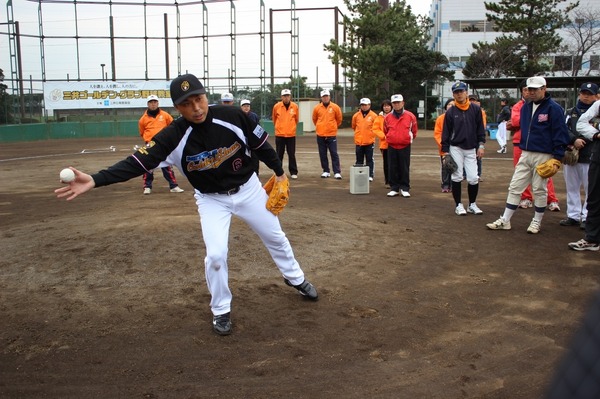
(149, 126)
(285, 119)
(363, 128)
(378, 130)
(327, 119)
(437, 132)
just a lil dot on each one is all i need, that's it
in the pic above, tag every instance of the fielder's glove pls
(571, 156)
(595, 122)
(279, 194)
(547, 169)
(449, 164)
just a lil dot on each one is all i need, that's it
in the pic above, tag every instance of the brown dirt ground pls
(104, 296)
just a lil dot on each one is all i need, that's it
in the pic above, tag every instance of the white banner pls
(104, 94)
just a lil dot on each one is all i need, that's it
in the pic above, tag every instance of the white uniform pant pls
(524, 175)
(501, 134)
(466, 164)
(576, 176)
(215, 218)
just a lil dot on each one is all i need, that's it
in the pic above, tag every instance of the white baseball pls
(67, 175)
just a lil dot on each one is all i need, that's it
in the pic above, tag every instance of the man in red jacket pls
(400, 128)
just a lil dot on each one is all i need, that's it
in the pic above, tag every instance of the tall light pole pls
(102, 65)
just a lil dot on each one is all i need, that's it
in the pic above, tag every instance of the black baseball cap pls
(184, 86)
(591, 87)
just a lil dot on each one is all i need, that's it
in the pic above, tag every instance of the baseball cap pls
(286, 92)
(152, 97)
(473, 96)
(459, 86)
(397, 97)
(227, 97)
(324, 92)
(536, 82)
(184, 86)
(591, 87)
(244, 102)
(365, 101)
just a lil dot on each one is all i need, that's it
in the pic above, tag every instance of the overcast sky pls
(315, 28)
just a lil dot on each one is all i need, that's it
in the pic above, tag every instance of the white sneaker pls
(405, 194)
(534, 226)
(525, 204)
(370, 179)
(338, 176)
(176, 190)
(474, 209)
(554, 207)
(460, 210)
(393, 193)
(325, 175)
(147, 191)
(294, 177)
(499, 224)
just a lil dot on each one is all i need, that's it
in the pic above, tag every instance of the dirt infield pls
(104, 297)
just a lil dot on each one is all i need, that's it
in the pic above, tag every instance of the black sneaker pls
(569, 222)
(222, 324)
(306, 289)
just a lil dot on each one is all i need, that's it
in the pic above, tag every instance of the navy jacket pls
(545, 131)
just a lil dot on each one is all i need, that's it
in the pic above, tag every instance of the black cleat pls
(222, 324)
(306, 289)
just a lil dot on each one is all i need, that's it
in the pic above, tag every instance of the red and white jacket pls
(400, 130)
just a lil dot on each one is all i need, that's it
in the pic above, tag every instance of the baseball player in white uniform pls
(211, 147)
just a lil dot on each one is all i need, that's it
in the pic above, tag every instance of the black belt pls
(230, 192)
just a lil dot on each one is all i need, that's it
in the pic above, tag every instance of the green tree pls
(492, 60)
(529, 27)
(386, 52)
(5, 114)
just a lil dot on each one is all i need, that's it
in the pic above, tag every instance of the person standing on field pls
(210, 146)
(152, 122)
(386, 108)
(327, 117)
(285, 118)
(364, 138)
(501, 119)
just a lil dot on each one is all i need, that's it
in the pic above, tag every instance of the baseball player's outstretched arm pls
(82, 184)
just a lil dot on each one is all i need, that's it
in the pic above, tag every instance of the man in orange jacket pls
(364, 137)
(152, 122)
(327, 117)
(285, 117)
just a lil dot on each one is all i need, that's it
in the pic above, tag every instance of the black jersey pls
(213, 155)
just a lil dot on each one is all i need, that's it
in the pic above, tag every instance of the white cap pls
(536, 82)
(226, 97)
(152, 98)
(286, 92)
(397, 97)
(365, 101)
(324, 92)
(244, 102)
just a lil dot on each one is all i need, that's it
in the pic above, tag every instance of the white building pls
(460, 23)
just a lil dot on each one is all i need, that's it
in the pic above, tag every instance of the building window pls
(563, 63)
(595, 62)
(471, 26)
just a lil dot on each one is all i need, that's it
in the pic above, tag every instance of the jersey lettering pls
(258, 131)
(211, 159)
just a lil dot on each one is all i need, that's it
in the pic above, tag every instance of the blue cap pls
(459, 86)
(591, 87)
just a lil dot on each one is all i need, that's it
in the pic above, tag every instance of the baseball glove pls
(449, 164)
(279, 194)
(571, 156)
(547, 169)
(595, 122)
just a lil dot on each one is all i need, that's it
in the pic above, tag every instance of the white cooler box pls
(359, 179)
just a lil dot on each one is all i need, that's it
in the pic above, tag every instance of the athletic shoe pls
(583, 245)
(325, 175)
(499, 224)
(306, 289)
(534, 226)
(474, 209)
(405, 194)
(502, 150)
(525, 204)
(147, 190)
(460, 210)
(446, 190)
(553, 207)
(370, 179)
(338, 176)
(568, 222)
(176, 190)
(393, 193)
(294, 177)
(222, 324)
